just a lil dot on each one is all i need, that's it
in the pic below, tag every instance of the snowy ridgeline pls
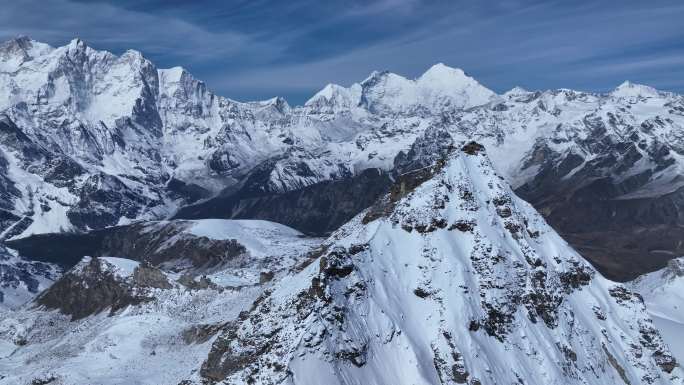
(83, 128)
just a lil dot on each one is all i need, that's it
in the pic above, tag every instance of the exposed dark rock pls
(403, 185)
(615, 364)
(576, 277)
(199, 334)
(91, 290)
(622, 295)
(665, 361)
(317, 209)
(465, 226)
(144, 241)
(265, 276)
(202, 283)
(336, 264)
(420, 292)
(472, 148)
(191, 193)
(148, 276)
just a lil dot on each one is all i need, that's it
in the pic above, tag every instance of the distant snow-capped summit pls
(629, 89)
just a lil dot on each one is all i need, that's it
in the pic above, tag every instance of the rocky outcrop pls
(96, 285)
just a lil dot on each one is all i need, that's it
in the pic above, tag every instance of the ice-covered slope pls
(663, 293)
(450, 279)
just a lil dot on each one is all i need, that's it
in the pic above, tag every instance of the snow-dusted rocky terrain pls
(112, 320)
(450, 279)
(21, 279)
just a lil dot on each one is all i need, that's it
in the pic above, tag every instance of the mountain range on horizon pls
(409, 231)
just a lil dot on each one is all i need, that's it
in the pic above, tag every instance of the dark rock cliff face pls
(63, 249)
(165, 242)
(317, 209)
(622, 235)
(156, 243)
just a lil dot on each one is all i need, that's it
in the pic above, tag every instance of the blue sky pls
(255, 49)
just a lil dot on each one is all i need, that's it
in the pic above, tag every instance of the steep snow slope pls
(663, 293)
(449, 279)
(113, 320)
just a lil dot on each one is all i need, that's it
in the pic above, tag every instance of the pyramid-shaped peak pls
(630, 89)
(334, 97)
(441, 70)
(449, 271)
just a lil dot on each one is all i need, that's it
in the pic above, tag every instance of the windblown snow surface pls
(663, 293)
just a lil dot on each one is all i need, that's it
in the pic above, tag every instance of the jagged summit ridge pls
(446, 277)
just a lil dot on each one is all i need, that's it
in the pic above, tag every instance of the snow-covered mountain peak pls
(439, 88)
(441, 73)
(515, 91)
(276, 104)
(14, 52)
(447, 275)
(628, 89)
(22, 45)
(76, 44)
(334, 98)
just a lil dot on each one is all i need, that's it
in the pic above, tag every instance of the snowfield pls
(663, 293)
